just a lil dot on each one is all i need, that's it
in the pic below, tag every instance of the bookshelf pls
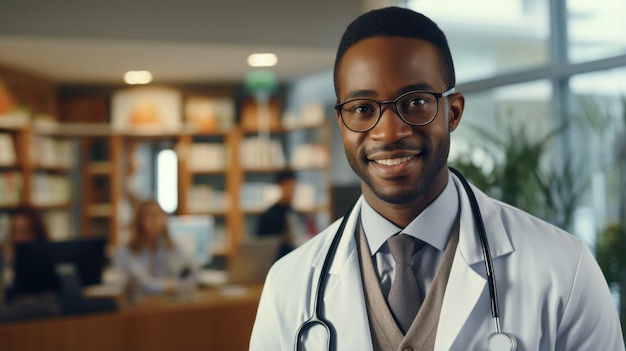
(36, 156)
(224, 163)
(35, 171)
(82, 164)
(13, 166)
(208, 185)
(300, 143)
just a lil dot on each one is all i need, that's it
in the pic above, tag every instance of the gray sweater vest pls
(386, 335)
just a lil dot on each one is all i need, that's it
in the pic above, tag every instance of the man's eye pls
(363, 109)
(417, 102)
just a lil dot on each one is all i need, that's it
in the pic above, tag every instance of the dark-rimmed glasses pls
(415, 108)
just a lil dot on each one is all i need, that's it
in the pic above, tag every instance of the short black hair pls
(286, 174)
(396, 22)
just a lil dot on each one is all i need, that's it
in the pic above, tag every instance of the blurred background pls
(204, 128)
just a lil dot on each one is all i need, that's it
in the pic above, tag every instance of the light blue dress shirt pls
(433, 226)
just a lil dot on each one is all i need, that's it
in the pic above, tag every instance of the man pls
(278, 220)
(396, 107)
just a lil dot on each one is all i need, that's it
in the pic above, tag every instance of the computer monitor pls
(194, 234)
(37, 263)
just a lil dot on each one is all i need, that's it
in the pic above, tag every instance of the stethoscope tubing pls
(317, 317)
(482, 234)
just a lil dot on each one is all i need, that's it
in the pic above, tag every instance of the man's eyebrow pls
(365, 93)
(360, 94)
(414, 87)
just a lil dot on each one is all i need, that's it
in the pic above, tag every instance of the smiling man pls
(410, 266)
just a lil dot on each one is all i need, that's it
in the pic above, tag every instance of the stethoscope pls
(498, 341)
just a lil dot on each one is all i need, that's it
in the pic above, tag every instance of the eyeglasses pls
(415, 108)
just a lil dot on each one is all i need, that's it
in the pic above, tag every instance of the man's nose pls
(390, 127)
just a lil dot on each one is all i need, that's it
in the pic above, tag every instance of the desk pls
(211, 321)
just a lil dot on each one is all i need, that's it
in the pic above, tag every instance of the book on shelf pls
(50, 152)
(7, 150)
(309, 156)
(262, 153)
(48, 189)
(258, 196)
(207, 157)
(219, 239)
(10, 188)
(204, 198)
(59, 223)
(5, 222)
(311, 115)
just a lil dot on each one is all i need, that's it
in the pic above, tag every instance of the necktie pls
(404, 300)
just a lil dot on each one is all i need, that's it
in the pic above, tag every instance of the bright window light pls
(137, 77)
(167, 180)
(262, 60)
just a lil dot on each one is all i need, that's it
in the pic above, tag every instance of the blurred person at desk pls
(151, 262)
(281, 220)
(26, 225)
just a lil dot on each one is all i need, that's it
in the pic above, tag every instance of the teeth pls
(393, 161)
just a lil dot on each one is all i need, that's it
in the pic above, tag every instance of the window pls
(596, 29)
(498, 37)
(599, 102)
(167, 180)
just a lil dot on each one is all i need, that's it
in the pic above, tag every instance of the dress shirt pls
(151, 269)
(433, 226)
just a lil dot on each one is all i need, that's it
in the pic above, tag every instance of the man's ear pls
(457, 105)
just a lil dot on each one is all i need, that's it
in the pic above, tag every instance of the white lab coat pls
(551, 291)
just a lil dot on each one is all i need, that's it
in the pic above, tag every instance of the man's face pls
(397, 163)
(288, 187)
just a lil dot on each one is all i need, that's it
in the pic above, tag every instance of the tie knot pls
(401, 247)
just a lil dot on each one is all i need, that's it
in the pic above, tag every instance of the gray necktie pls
(404, 297)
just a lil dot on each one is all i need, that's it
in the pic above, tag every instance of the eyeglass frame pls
(380, 104)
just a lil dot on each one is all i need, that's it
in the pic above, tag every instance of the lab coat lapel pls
(467, 277)
(344, 304)
(462, 293)
(497, 235)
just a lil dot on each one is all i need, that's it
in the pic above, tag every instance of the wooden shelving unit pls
(101, 185)
(104, 175)
(39, 177)
(312, 167)
(219, 184)
(15, 173)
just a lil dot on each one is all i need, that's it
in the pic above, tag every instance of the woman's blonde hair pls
(137, 239)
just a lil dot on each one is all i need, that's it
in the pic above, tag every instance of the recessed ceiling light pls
(262, 60)
(137, 77)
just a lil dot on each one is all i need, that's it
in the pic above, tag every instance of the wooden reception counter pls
(216, 319)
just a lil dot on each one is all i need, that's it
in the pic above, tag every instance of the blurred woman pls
(151, 262)
(26, 225)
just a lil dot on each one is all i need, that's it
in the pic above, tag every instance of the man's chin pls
(395, 195)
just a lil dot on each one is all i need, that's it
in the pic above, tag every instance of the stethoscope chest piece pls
(501, 342)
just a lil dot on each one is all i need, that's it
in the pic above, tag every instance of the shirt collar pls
(432, 226)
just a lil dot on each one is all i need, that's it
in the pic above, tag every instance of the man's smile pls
(393, 161)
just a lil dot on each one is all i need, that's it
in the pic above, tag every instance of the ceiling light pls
(262, 60)
(137, 77)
